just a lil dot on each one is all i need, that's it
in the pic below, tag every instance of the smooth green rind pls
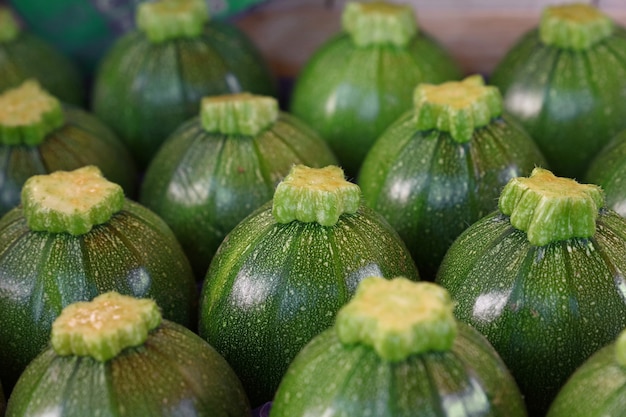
(28, 114)
(164, 20)
(379, 23)
(620, 349)
(70, 201)
(457, 107)
(238, 114)
(575, 26)
(398, 318)
(9, 28)
(105, 326)
(550, 208)
(315, 195)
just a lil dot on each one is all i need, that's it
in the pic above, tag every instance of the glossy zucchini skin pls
(174, 373)
(144, 91)
(203, 184)
(330, 379)
(430, 188)
(596, 389)
(135, 253)
(272, 287)
(570, 102)
(545, 309)
(29, 56)
(608, 170)
(350, 94)
(82, 140)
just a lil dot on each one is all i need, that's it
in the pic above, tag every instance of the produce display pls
(74, 236)
(266, 226)
(361, 80)
(441, 166)
(565, 82)
(116, 355)
(396, 349)
(25, 56)
(153, 78)
(223, 164)
(39, 135)
(541, 278)
(281, 275)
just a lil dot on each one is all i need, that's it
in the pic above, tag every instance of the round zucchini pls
(441, 166)
(116, 355)
(361, 80)
(281, 274)
(220, 166)
(39, 135)
(74, 236)
(25, 56)
(597, 388)
(565, 81)
(608, 170)
(397, 350)
(542, 279)
(153, 78)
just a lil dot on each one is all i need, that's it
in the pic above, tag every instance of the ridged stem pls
(379, 23)
(238, 114)
(164, 20)
(576, 26)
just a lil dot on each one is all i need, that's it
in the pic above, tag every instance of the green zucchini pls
(608, 170)
(152, 79)
(281, 274)
(74, 236)
(223, 164)
(116, 355)
(39, 135)
(397, 350)
(441, 166)
(361, 80)
(541, 278)
(25, 56)
(564, 81)
(597, 387)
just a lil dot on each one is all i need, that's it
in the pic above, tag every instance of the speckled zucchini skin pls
(330, 379)
(351, 94)
(430, 188)
(28, 56)
(571, 103)
(608, 170)
(135, 253)
(174, 373)
(596, 389)
(545, 309)
(272, 287)
(202, 184)
(144, 91)
(82, 140)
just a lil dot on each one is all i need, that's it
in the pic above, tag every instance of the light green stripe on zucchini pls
(398, 318)
(576, 26)
(457, 107)
(105, 326)
(238, 114)
(9, 28)
(550, 208)
(319, 195)
(28, 114)
(70, 201)
(164, 20)
(379, 23)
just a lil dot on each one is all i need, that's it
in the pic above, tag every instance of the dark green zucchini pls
(441, 166)
(565, 82)
(153, 78)
(361, 80)
(220, 166)
(281, 274)
(542, 279)
(116, 356)
(608, 170)
(396, 350)
(75, 236)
